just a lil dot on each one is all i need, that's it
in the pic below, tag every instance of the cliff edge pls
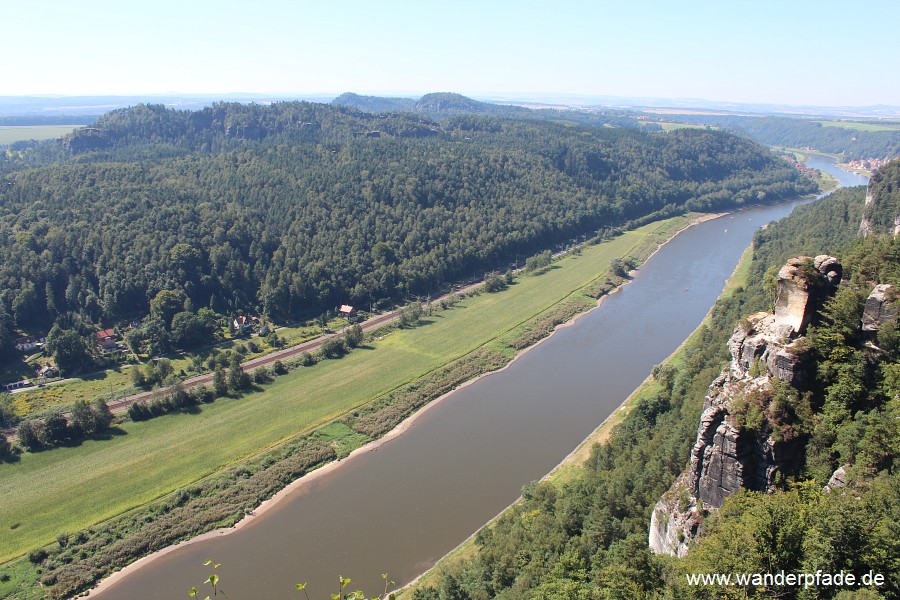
(741, 441)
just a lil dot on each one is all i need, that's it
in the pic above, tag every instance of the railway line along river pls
(399, 507)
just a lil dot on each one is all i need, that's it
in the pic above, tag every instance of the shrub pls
(30, 433)
(261, 375)
(494, 282)
(353, 337)
(37, 556)
(334, 348)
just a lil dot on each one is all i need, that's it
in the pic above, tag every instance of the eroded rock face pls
(881, 307)
(676, 520)
(803, 284)
(728, 456)
(838, 479)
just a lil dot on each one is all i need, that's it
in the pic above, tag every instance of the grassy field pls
(667, 126)
(18, 133)
(862, 126)
(68, 489)
(568, 470)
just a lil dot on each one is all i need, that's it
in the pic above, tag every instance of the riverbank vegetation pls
(358, 397)
(584, 535)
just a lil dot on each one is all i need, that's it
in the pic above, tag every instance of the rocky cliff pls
(739, 444)
(882, 209)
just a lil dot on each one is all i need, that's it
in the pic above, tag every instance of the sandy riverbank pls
(300, 484)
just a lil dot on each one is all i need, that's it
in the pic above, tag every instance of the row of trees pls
(85, 421)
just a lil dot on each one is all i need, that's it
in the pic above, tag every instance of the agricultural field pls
(668, 126)
(862, 126)
(71, 488)
(19, 133)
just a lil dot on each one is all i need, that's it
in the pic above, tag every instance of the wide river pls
(402, 507)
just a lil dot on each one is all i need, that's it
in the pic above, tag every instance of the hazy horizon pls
(766, 53)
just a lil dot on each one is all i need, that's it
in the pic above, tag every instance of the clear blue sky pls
(825, 53)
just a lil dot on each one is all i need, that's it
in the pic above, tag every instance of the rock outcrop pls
(881, 307)
(881, 213)
(729, 454)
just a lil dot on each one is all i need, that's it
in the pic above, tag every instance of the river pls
(402, 507)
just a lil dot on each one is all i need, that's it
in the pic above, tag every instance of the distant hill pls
(445, 105)
(436, 105)
(375, 103)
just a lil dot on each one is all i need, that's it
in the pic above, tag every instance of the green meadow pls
(862, 126)
(19, 133)
(71, 488)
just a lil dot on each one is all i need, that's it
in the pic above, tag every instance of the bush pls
(333, 348)
(353, 337)
(494, 282)
(139, 411)
(30, 433)
(278, 367)
(307, 359)
(38, 555)
(220, 384)
(261, 375)
(203, 394)
(6, 449)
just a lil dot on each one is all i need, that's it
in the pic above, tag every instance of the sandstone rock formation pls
(881, 213)
(881, 307)
(728, 456)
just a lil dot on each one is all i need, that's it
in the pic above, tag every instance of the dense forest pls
(293, 208)
(587, 539)
(852, 144)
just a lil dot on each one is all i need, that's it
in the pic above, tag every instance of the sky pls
(823, 53)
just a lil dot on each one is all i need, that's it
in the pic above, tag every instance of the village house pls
(26, 344)
(242, 324)
(347, 311)
(106, 339)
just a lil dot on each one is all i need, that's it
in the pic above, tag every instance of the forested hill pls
(296, 207)
(852, 144)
